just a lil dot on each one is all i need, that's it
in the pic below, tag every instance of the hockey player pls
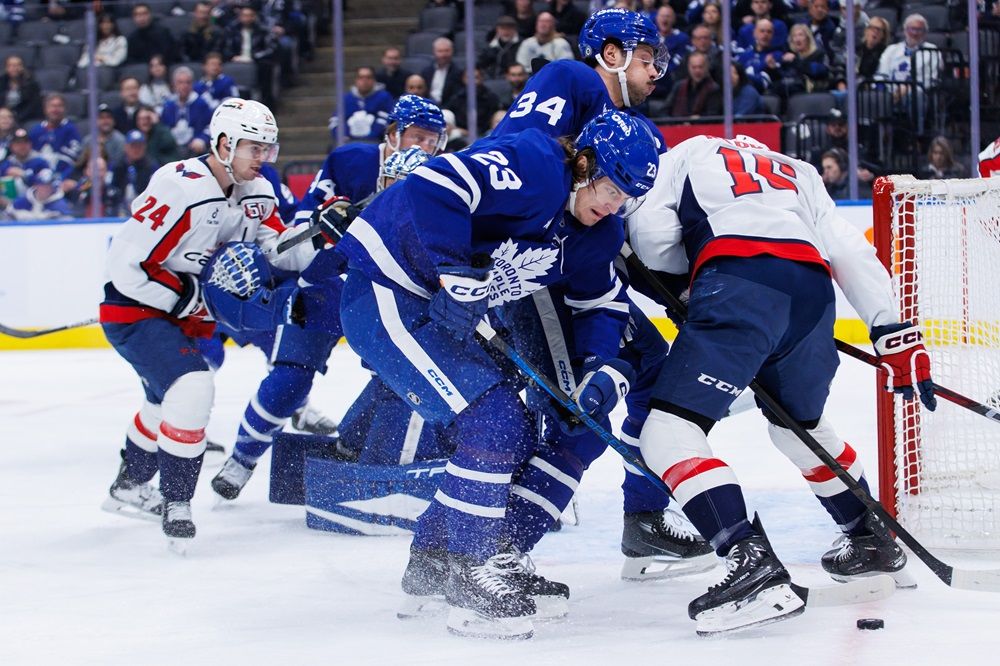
(763, 242)
(420, 281)
(350, 173)
(624, 59)
(153, 312)
(989, 160)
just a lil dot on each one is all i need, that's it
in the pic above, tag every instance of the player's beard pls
(636, 93)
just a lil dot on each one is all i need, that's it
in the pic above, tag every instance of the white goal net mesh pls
(944, 252)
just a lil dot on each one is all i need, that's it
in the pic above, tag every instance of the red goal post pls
(939, 472)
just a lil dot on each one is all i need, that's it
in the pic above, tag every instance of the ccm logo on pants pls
(725, 387)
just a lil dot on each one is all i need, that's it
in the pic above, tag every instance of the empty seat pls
(416, 63)
(809, 104)
(59, 55)
(36, 32)
(52, 79)
(438, 19)
(421, 43)
(76, 105)
(139, 70)
(478, 40)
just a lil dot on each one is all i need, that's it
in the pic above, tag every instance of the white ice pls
(78, 585)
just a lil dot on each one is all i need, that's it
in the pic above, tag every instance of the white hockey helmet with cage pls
(243, 119)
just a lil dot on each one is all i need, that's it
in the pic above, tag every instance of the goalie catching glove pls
(332, 218)
(900, 349)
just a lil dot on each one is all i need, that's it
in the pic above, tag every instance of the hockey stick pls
(982, 580)
(855, 591)
(946, 393)
(25, 333)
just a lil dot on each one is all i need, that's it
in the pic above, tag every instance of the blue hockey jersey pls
(214, 92)
(189, 121)
(349, 171)
(59, 144)
(286, 199)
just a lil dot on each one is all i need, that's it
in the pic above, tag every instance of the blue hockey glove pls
(463, 298)
(567, 421)
(900, 348)
(604, 384)
(333, 217)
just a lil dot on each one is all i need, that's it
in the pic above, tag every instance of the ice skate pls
(551, 597)
(215, 454)
(424, 583)
(178, 526)
(482, 601)
(231, 478)
(133, 500)
(307, 419)
(867, 555)
(663, 544)
(756, 591)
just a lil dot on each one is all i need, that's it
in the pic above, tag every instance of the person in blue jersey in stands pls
(300, 348)
(624, 58)
(426, 261)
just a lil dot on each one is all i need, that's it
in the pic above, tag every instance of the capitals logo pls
(515, 273)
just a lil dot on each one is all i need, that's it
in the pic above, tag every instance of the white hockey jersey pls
(180, 219)
(714, 198)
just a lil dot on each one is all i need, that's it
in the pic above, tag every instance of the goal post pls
(939, 472)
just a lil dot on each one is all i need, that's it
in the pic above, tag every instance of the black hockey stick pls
(855, 591)
(983, 580)
(25, 333)
(946, 393)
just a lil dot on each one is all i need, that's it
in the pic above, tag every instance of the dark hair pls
(581, 174)
(741, 74)
(114, 24)
(945, 146)
(839, 156)
(212, 54)
(141, 4)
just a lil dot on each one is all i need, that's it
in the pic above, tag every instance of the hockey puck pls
(871, 623)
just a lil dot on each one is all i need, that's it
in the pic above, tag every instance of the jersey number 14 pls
(777, 175)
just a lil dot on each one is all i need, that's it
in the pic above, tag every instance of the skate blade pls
(470, 624)
(119, 508)
(902, 578)
(771, 605)
(550, 607)
(178, 546)
(416, 607)
(642, 569)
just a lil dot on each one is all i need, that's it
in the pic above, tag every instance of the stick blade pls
(987, 580)
(856, 591)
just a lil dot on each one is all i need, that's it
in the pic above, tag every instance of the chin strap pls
(622, 83)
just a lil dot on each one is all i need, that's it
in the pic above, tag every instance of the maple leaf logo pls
(515, 275)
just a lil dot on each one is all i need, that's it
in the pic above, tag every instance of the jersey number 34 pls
(552, 107)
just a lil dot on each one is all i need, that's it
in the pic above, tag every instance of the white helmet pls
(243, 119)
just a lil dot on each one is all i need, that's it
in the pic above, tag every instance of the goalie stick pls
(946, 393)
(855, 591)
(965, 579)
(25, 333)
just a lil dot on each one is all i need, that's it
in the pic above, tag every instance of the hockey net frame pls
(939, 473)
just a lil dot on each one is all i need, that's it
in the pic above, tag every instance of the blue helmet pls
(415, 110)
(624, 151)
(630, 30)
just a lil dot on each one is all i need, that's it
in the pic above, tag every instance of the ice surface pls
(80, 586)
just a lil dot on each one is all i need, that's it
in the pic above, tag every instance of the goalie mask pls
(399, 165)
(237, 285)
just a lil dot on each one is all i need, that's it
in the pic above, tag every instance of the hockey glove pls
(603, 385)
(191, 302)
(567, 421)
(900, 348)
(463, 298)
(333, 217)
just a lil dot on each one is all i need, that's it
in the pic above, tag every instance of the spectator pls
(415, 85)
(524, 13)
(486, 105)
(20, 91)
(569, 18)
(896, 64)
(160, 144)
(711, 16)
(821, 23)
(676, 41)
(7, 126)
(501, 52)
(128, 92)
(803, 69)
(111, 141)
(869, 49)
(63, 10)
(246, 40)
(746, 100)
(442, 77)
(215, 86)
(762, 58)
(761, 9)
(156, 90)
(284, 23)
(43, 200)
(834, 136)
(81, 195)
(835, 174)
(517, 77)
(130, 175)
(149, 38)
(702, 42)
(202, 36)
(545, 43)
(391, 74)
(56, 137)
(366, 107)
(112, 47)
(12, 13)
(22, 160)
(696, 95)
(941, 162)
(187, 114)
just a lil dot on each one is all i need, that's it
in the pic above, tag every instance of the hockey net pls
(939, 472)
